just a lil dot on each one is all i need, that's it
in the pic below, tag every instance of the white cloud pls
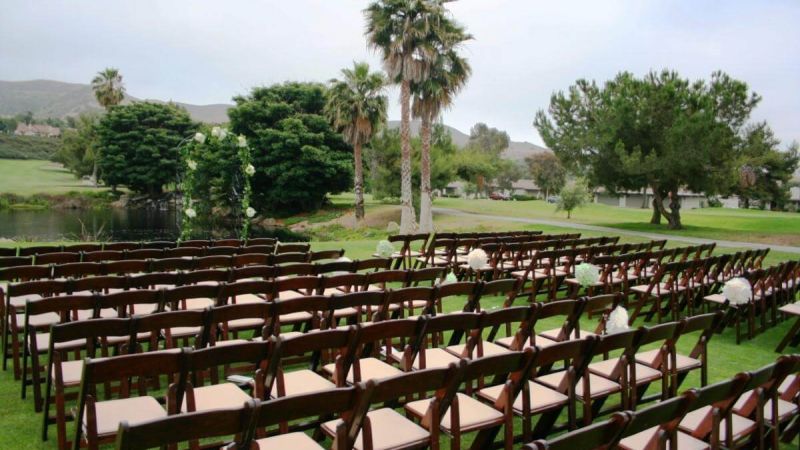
(204, 51)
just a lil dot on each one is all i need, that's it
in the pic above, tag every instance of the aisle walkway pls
(601, 229)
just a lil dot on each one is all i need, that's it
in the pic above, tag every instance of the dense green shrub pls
(139, 145)
(28, 147)
(298, 157)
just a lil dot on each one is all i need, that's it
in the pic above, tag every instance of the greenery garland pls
(211, 156)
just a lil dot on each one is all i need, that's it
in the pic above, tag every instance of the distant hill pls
(516, 151)
(48, 98)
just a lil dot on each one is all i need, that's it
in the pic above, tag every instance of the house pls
(794, 195)
(643, 199)
(519, 187)
(37, 130)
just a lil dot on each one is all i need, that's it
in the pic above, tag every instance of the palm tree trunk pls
(426, 201)
(359, 184)
(407, 219)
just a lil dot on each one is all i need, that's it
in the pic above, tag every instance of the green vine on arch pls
(217, 170)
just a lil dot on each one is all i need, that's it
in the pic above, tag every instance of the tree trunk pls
(426, 201)
(94, 173)
(358, 183)
(407, 218)
(746, 203)
(658, 207)
(674, 216)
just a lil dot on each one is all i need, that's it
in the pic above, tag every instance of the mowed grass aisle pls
(22, 427)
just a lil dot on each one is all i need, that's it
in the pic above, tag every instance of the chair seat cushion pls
(289, 441)
(371, 368)
(70, 372)
(197, 303)
(39, 320)
(135, 410)
(640, 441)
(390, 430)
(555, 332)
(472, 414)
(43, 343)
(683, 363)
(302, 382)
(18, 301)
(246, 323)
(488, 348)
(542, 398)
(693, 422)
(217, 396)
(598, 386)
(435, 358)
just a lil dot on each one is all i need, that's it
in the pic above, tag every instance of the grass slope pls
(26, 177)
(28, 147)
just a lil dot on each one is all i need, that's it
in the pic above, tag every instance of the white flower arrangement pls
(587, 274)
(617, 321)
(250, 212)
(738, 291)
(199, 138)
(192, 164)
(191, 213)
(477, 259)
(385, 249)
(219, 133)
(250, 170)
(242, 141)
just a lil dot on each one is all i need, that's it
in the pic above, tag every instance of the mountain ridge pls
(52, 98)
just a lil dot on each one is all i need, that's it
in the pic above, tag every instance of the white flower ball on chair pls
(385, 249)
(477, 259)
(617, 321)
(738, 291)
(587, 274)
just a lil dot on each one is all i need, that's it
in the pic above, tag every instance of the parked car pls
(499, 196)
(553, 199)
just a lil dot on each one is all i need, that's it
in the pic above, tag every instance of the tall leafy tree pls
(547, 172)
(109, 91)
(401, 30)
(357, 108)
(660, 131)
(140, 145)
(298, 157)
(487, 139)
(79, 145)
(448, 73)
(765, 171)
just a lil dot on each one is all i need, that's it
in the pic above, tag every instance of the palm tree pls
(448, 73)
(357, 108)
(401, 31)
(109, 91)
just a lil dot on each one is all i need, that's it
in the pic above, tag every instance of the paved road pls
(582, 226)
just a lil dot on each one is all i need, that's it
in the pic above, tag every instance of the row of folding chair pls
(491, 390)
(18, 294)
(160, 253)
(770, 289)
(120, 246)
(746, 411)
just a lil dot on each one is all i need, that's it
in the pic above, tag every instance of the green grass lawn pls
(26, 177)
(22, 427)
(713, 223)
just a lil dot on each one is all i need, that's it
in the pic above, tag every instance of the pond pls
(112, 224)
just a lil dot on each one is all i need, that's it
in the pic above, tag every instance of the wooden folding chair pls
(97, 421)
(189, 428)
(711, 412)
(63, 375)
(598, 436)
(652, 427)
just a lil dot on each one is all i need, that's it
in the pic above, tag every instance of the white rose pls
(191, 213)
(477, 259)
(216, 132)
(242, 141)
(385, 249)
(250, 212)
(250, 170)
(738, 291)
(617, 320)
(222, 134)
(192, 165)
(587, 274)
(200, 137)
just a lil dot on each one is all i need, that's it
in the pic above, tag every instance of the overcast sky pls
(204, 51)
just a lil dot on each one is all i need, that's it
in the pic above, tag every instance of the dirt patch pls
(376, 217)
